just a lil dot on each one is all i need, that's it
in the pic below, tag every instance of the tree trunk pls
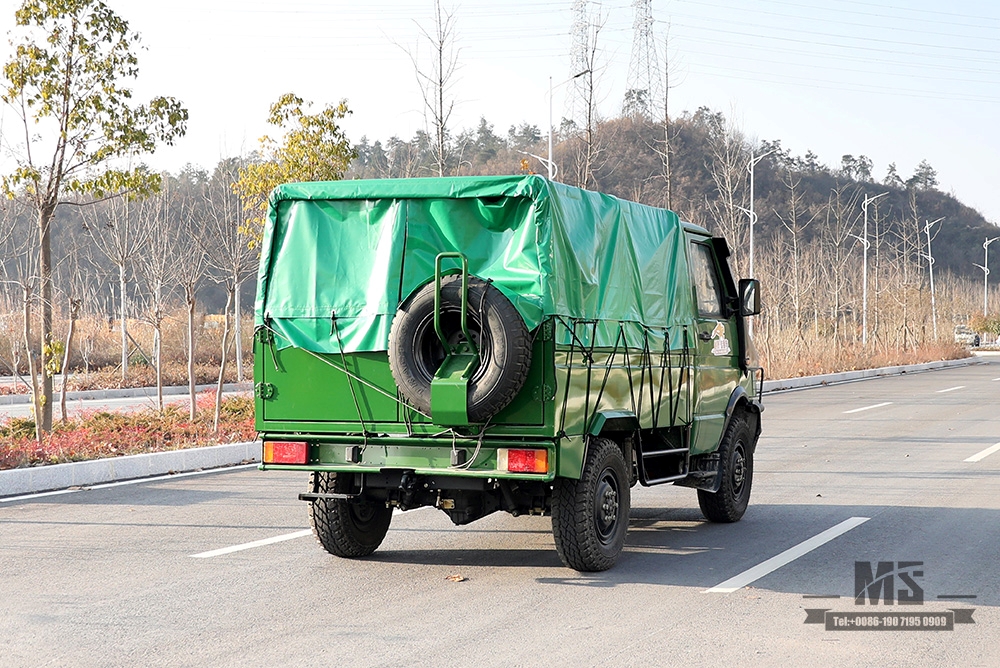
(74, 313)
(123, 304)
(43, 417)
(36, 406)
(222, 365)
(237, 329)
(189, 296)
(158, 361)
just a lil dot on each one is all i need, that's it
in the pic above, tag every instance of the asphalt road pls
(110, 576)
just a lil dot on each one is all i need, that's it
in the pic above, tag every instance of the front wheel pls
(590, 515)
(736, 469)
(346, 527)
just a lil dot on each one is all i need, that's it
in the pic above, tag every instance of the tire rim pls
(363, 513)
(431, 353)
(606, 506)
(739, 469)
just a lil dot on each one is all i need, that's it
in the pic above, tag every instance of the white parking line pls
(256, 543)
(951, 389)
(984, 454)
(791, 554)
(868, 408)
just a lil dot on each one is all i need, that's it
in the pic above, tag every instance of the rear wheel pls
(590, 515)
(346, 527)
(736, 455)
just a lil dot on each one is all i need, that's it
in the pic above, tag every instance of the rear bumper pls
(459, 457)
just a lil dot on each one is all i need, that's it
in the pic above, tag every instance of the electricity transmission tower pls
(643, 92)
(579, 59)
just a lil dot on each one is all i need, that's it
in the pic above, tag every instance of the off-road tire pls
(736, 462)
(497, 329)
(590, 515)
(346, 527)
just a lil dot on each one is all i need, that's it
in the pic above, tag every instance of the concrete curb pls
(847, 376)
(33, 479)
(124, 393)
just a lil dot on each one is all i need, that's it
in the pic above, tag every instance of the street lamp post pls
(549, 164)
(986, 272)
(930, 269)
(752, 215)
(864, 274)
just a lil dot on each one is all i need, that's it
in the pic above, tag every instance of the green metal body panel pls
(450, 389)
(309, 393)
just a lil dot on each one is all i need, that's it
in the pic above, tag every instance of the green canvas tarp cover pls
(358, 249)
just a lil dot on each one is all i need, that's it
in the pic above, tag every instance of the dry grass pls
(108, 434)
(788, 356)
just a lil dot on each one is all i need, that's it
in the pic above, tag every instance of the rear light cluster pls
(285, 452)
(522, 461)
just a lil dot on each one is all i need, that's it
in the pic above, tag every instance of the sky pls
(897, 80)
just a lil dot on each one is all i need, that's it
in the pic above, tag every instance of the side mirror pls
(749, 296)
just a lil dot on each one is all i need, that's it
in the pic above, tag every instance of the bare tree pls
(78, 288)
(157, 266)
(118, 233)
(663, 147)
(437, 79)
(587, 144)
(226, 252)
(728, 150)
(191, 265)
(837, 232)
(20, 267)
(795, 222)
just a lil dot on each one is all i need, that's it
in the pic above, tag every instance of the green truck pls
(507, 343)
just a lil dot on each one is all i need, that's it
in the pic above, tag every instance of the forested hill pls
(696, 164)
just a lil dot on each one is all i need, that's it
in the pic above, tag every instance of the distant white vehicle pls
(965, 336)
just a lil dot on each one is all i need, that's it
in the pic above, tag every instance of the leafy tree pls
(523, 136)
(65, 83)
(312, 148)
(924, 177)
(856, 169)
(488, 144)
(892, 177)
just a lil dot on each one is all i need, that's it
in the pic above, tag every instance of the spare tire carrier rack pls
(449, 388)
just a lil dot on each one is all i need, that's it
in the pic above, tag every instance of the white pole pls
(864, 273)
(753, 219)
(986, 273)
(930, 268)
(549, 164)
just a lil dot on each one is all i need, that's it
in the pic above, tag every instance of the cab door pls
(716, 349)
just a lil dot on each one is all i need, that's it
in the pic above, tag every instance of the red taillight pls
(522, 461)
(285, 452)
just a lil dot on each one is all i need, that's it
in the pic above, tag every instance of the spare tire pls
(497, 329)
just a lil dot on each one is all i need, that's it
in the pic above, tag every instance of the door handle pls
(705, 336)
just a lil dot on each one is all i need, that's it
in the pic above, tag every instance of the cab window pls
(706, 281)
